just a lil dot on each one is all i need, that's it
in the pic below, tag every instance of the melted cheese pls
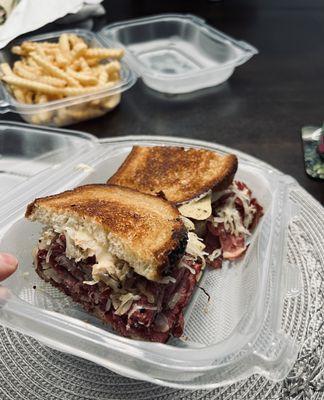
(197, 209)
(80, 244)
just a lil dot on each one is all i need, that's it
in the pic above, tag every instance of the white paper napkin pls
(29, 15)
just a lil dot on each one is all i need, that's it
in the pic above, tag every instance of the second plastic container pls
(176, 53)
(69, 110)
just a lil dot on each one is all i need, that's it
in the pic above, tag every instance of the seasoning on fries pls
(53, 71)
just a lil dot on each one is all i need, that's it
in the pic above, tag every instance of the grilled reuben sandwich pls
(121, 254)
(221, 211)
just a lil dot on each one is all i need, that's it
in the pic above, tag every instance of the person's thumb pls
(8, 265)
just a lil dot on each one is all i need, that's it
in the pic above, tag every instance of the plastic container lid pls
(175, 53)
(26, 150)
(234, 335)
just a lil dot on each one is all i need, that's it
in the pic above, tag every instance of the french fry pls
(103, 77)
(74, 39)
(53, 70)
(114, 76)
(85, 79)
(78, 50)
(112, 101)
(31, 63)
(6, 69)
(19, 51)
(113, 66)
(29, 46)
(19, 94)
(23, 72)
(31, 85)
(49, 50)
(84, 114)
(40, 98)
(29, 97)
(35, 70)
(64, 45)
(68, 91)
(34, 119)
(60, 59)
(84, 65)
(95, 103)
(45, 116)
(104, 53)
(92, 62)
(61, 118)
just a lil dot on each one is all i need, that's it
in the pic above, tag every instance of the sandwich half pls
(121, 254)
(201, 184)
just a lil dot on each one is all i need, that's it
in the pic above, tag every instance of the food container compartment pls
(27, 150)
(71, 109)
(176, 53)
(234, 335)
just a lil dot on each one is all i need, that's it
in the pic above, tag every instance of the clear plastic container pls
(176, 53)
(71, 109)
(234, 335)
(26, 150)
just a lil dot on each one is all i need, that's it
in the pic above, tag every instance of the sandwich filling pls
(224, 221)
(80, 265)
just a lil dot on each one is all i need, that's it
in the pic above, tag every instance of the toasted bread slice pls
(178, 174)
(145, 231)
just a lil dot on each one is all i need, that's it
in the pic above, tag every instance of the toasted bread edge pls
(165, 257)
(220, 183)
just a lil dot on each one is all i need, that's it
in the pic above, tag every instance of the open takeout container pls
(72, 109)
(173, 53)
(178, 53)
(234, 335)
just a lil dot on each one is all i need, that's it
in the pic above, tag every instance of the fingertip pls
(8, 265)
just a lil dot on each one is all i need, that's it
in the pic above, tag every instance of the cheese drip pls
(81, 244)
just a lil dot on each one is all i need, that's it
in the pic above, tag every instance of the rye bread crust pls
(175, 173)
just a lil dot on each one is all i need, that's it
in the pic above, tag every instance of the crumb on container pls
(84, 167)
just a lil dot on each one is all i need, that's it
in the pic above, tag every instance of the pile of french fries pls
(53, 71)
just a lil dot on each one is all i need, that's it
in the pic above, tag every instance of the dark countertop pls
(260, 110)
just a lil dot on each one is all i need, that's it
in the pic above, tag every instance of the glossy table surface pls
(260, 110)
